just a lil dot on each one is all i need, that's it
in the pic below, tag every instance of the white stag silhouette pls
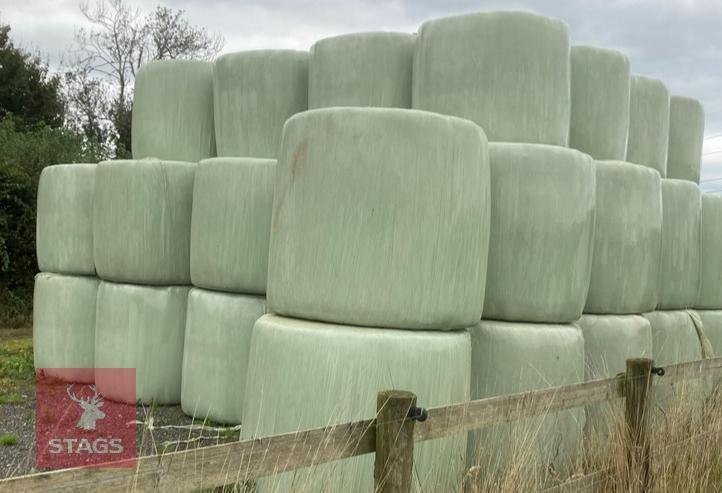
(91, 408)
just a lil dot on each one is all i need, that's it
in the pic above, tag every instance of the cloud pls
(678, 41)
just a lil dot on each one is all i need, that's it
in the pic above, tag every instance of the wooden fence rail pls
(229, 463)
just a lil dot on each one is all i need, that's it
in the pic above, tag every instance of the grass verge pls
(16, 364)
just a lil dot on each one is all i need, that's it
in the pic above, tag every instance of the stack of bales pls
(709, 301)
(254, 93)
(509, 72)
(141, 231)
(397, 247)
(675, 336)
(628, 229)
(377, 261)
(686, 136)
(65, 290)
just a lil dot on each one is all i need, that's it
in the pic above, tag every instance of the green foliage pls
(205, 422)
(121, 115)
(23, 155)
(32, 136)
(28, 94)
(229, 433)
(8, 439)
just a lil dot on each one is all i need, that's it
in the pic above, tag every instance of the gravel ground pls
(19, 420)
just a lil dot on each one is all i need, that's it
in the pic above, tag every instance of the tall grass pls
(686, 434)
(686, 450)
(686, 439)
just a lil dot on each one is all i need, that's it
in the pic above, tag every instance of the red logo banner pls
(77, 426)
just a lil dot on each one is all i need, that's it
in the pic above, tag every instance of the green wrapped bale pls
(173, 111)
(680, 260)
(542, 233)
(254, 93)
(308, 374)
(506, 71)
(361, 69)
(231, 224)
(64, 228)
(648, 123)
(380, 218)
(712, 327)
(507, 358)
(141, 327)
(609, 340)
(216, 352)
(64, 326)
(627, 239)
(710, 254)
(600, 81)
(674, 340)
(686, 136)
(142, 221)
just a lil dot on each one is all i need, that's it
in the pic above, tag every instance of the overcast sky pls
(678, 41)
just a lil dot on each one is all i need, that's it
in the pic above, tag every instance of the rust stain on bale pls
(298, 155)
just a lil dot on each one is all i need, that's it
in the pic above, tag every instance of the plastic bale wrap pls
(674, 340)
(600, 81)
(542, 232)
(710, 254)
(255, 92)
(361, 69)
(712, 326)
(64, 326)
(609, 340)
(231, 225)
(648, 123)
(142, 221)
(141, 327)
(173, 111)
(507, 358)
(686, 136)
(679, 267)
(506, 71)
(381, 219)
(64, 228)
(309, 374)
(627, 239)
(216, 352)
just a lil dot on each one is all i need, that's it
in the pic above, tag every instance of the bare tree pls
(115, 45)
(119, 42)
(88, 107)
(171, 36)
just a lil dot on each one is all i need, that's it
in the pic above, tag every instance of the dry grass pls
(686, 452)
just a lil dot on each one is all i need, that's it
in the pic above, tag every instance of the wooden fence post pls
(637, 394)
(394, 442)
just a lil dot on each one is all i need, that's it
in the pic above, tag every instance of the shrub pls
(23, 155)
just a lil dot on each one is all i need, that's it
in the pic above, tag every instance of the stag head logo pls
(91, 408)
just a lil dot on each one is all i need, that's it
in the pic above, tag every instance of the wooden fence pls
(391, 436)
